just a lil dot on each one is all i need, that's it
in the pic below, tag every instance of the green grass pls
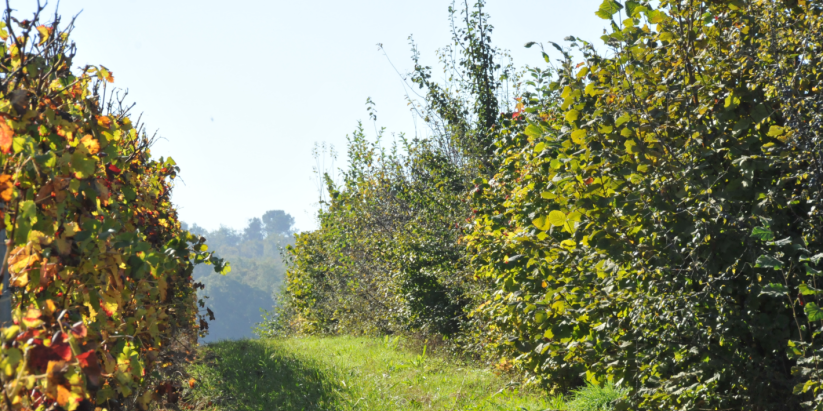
(348, 373)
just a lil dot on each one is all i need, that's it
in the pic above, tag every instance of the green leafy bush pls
(656, 220)
(648, 217)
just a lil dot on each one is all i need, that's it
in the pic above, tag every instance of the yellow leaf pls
(579, 136)
(572, 115)
(70, 229)
(541, 223)
(109, 304)
(45, 33)
(557, 218)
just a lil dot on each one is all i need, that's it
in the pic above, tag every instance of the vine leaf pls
(6, 137)
(6, 187)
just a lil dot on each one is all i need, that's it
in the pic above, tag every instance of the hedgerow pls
(100, 270)
(647, 217)
(656, 222)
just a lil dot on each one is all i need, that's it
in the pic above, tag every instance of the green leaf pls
(813, 312)
(82, 165)
(781, 243)
(760, 113)
(774, 290)
(579, 136)
(622, 120)
(768, 261)
(633, 8)
(129, 193)
(533, 131)
(530, 44)
(557, 218)
(607, 9)
(811, 271)
(762, 234)
(539, 147)
(806, 290)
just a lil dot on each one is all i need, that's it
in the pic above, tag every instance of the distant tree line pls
(256, 277)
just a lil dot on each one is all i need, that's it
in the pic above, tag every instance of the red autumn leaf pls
(6, 136)
(588, 181)
(63, 350)
(39, 357)
(113, 168)
(91, 366)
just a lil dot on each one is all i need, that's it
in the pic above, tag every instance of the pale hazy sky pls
(241, 90)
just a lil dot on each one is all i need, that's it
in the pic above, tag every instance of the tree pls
(253, 231)
(277, 222)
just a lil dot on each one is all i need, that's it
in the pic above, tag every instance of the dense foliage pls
(656, 221)
(100, 270)
(387, 256)
(649, 215)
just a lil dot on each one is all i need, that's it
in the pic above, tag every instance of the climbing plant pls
(99, 268)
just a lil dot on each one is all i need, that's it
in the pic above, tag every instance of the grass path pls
(347, 373)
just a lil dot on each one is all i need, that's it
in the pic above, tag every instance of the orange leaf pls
(191, 383)
(91, 143)
(65, 398)
(104, 121)
(6, 187)
(6, 135)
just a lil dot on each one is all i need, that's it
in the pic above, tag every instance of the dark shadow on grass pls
(256, 375)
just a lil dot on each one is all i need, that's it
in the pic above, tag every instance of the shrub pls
(100, 270)
(656, 220)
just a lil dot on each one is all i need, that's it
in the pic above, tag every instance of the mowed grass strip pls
(346, 373)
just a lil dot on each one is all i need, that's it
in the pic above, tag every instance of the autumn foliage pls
(100, 270)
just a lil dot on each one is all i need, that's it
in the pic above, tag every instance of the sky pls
(241, 91)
